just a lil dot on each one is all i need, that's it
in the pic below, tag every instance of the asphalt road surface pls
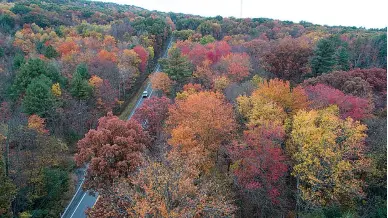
(83, 200)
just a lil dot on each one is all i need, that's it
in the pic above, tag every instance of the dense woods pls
(250, 117)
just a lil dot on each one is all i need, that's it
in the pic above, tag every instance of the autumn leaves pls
(175, 158)
(198, 124)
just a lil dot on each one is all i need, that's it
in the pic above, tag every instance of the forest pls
(253, 117)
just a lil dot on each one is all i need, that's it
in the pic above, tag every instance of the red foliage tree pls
(143, 54)
(364, 83)
(217, 50)
(152, 114)
(236, 65)
(375, 78)
(350, 106)
(259, 163)
(184, 46)
(256, 50)
(288, 59)
(197, 54)
(113, 150)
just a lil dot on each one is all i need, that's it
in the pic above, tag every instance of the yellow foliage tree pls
(258, 110)
(328, 155)
(220, 83)
(151, 52)
(257, 80)
(280, 92)
(56, 89)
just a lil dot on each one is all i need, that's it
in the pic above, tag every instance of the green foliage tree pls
(154, 26)
(183, 34)
(7, 23)
(376, 191)
(37, 18)
(50, 52)
(342, 56)
(18, 61)
(207, 39)
(30, 70)
(39, 99)
(20, 9)
(56, 182)
(53, 73)
(82, 70)
(79, 87)
(323, 59)
(176, 66)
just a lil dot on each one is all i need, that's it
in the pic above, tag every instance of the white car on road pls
(145, 94)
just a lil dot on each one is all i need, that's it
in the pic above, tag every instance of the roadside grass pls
(132, 103)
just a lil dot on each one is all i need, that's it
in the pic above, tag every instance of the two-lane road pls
(83, 200)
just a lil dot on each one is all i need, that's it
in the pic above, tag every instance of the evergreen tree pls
(50, 52)
(39, 99)
(323, 60)
(342, 56)
(30, 70)
(53, 73)
(18, 61)
(80, 87)
(82, 70)
(27, 72)
(176, 66)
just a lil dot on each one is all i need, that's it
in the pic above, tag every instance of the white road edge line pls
(80, 186)
(151, 92)
(78, 205)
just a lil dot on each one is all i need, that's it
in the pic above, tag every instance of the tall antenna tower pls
(241, 8)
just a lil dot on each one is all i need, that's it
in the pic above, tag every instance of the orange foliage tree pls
(204, 73)
(169, 188)
(67, 47)
(37, 123)
(162, 185)
(202, 120)
(107, 56)
(161, 81)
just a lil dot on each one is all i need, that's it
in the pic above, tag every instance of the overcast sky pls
(359, 13)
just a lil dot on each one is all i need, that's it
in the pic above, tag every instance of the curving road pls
(83, 200)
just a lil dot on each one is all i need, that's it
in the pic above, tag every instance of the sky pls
(359, 13)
